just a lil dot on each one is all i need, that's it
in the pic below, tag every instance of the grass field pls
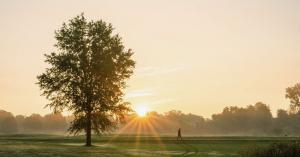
(144, 146)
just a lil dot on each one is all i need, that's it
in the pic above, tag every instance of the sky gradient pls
(194, 56)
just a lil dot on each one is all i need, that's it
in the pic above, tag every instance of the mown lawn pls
(144, 146)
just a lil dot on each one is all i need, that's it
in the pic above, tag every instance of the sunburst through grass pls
(142, 124)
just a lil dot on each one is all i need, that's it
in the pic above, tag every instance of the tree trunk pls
(88, 130)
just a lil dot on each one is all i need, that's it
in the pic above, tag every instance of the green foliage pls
(87, 75)
(293, 93)
(251, 119)
(286, 149)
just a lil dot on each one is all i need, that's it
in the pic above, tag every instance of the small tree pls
(87, 75)
(293, 93)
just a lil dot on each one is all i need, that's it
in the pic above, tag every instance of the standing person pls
(179, 135)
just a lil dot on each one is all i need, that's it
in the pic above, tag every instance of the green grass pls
(145, 146)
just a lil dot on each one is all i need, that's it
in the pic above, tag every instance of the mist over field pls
(171, 78)
(253, 120)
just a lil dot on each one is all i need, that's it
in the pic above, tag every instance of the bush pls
(289, 149)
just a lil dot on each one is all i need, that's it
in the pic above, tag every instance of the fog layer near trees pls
(255, 120)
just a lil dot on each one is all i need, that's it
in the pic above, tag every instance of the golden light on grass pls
(143, 125)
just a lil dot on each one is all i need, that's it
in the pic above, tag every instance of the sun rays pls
(144, 130)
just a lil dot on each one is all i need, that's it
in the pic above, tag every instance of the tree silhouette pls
(87, 75)
(293, 93)
(8, 123)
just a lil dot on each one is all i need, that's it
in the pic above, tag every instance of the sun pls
(141, 110)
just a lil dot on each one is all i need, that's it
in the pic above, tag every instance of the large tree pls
(87, 75)
(293, 93)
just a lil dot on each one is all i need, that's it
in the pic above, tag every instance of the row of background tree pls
(33, 123)
(251, 120)
(254, 119)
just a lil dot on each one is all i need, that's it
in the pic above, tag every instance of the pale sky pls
(195, 56)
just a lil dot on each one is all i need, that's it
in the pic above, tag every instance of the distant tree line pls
(34, 123)
(254, 119)
(251, 120)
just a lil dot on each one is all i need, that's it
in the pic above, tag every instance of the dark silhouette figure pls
(179, 135)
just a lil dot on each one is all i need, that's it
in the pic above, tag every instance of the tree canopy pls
(87, 74)
(293, 93)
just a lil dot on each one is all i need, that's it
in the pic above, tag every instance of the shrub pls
(287, 149)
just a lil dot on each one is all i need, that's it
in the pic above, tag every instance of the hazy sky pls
(195, 56)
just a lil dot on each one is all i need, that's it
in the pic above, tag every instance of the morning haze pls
(195, 56)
